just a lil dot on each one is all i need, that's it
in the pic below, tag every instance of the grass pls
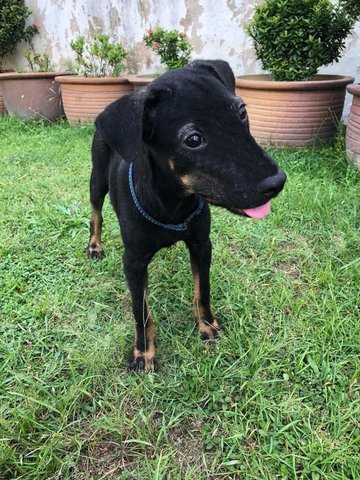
(276, 397)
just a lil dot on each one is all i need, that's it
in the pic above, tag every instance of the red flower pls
(35, 26)
(155, 45)
(150, 32)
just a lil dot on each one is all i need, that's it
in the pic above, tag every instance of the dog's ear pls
(220, 69)
(121, 124)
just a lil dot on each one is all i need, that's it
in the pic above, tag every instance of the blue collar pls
(180, 227)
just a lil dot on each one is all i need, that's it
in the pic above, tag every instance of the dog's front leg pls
(200, 256)
(143, 354)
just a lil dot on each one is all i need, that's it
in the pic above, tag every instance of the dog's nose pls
(273, 185)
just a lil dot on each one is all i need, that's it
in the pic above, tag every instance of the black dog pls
(164, 153)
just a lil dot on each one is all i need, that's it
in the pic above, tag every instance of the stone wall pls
(214, 27)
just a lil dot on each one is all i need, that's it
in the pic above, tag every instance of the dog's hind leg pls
(200, 257)
(99, 187)
(143, 354)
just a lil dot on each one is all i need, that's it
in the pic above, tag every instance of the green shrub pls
(13, 15)
(294, 38)
(352, 7)
(100, 57)
(172, 46)
(38, 62)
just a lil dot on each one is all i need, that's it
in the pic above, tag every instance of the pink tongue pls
(258, 212)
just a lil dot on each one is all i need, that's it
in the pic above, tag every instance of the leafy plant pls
(38, 62)
(100, 57)
(293, 38)
(13, 15)
(172, 46)
(352, 7)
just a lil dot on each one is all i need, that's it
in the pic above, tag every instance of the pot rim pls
(319, 82)
(145, 75)
(22, 75)
(77, 79)
(354, 89)
(142, 78)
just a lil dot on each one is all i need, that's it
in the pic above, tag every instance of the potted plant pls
(353, 126)
(98, 83)
(13, 29)
(292, 39)
(173, 48)
(33, 95)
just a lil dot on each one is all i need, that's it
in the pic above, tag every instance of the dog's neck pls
(162, 197)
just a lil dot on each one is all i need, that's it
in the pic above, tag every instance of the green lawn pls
(276, 397)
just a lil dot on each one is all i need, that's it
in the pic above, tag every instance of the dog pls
(165, 153)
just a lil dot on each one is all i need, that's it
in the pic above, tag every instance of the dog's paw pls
(95, 251)
(142, 362)
(209, 332)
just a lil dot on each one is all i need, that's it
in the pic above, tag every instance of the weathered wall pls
(214, 27)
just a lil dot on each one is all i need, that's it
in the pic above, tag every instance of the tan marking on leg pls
(150, 351)
(205, 328)
(209, 330)
(94, 249)
(148, 357)
(96, 222)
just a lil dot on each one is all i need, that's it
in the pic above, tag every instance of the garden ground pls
(275, 397)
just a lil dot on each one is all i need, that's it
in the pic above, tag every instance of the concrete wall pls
(214, 27)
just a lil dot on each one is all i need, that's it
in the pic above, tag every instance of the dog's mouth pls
(256, 212)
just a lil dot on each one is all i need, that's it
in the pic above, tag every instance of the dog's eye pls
(242, 112)
(194, 140)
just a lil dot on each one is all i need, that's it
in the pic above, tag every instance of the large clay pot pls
(293, 113)
(140, 81)
(2, 108)
(85, 97)
(353, 126)
(32, 96)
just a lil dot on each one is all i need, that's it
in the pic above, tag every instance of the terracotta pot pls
(84, 97)
(2, 108)
(293, 113)
(353, 126)
(32, 96)
(140, 81)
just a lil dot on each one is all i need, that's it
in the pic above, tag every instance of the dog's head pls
(189, 124)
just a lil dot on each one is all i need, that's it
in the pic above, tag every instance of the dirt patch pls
(187, 441)
(104, 459)
(290, 270)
